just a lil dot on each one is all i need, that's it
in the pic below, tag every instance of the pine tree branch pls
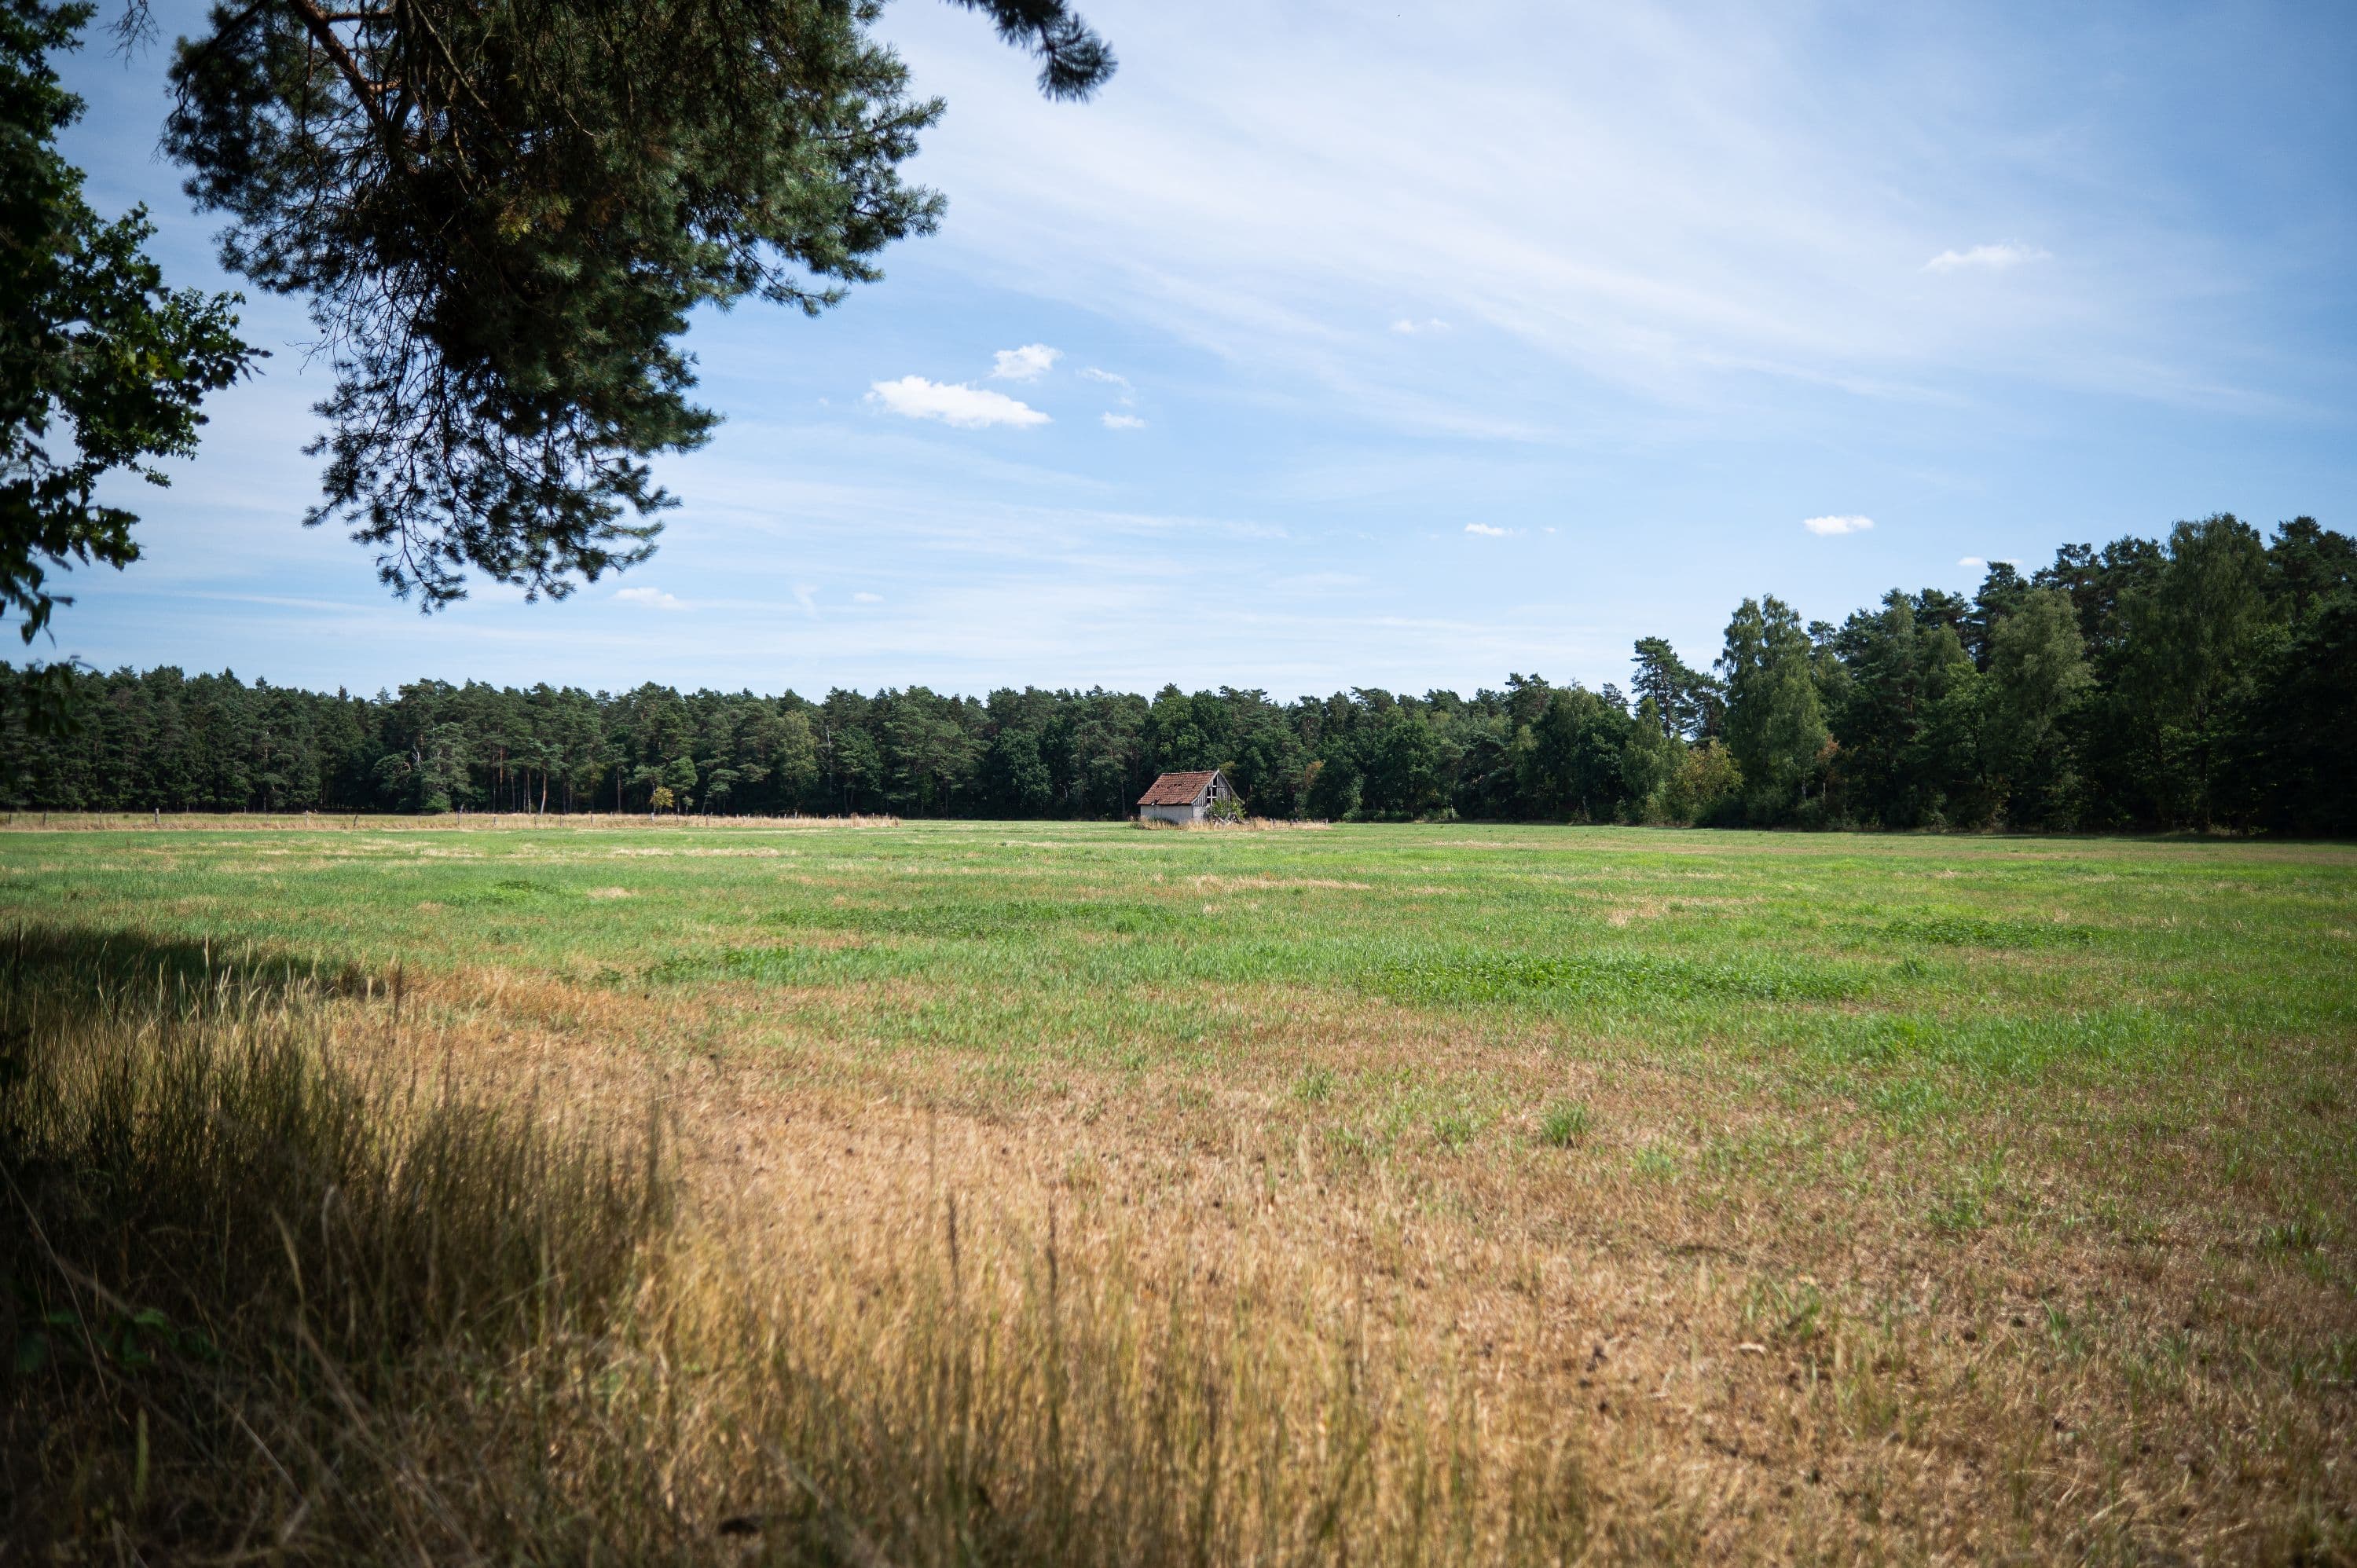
(320, 25)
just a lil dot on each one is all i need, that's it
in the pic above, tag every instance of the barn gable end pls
(1184, 797)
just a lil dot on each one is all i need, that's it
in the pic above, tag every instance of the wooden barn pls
(1184, 797)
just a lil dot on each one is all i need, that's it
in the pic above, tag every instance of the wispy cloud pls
(1684, 251)
(1408, 326)
(954, 404)
(1656, 199)
(1833, 525)
(866, 598)
(1485, 530)
(1126, 392)
(1988, 258)
(1122, 421)
(1971, 561)
(1028, 363)
(654, 598)
(806, 596)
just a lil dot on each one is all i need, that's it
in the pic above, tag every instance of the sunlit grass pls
(1886, 1110)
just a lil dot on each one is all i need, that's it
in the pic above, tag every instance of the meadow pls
(1016, 1192)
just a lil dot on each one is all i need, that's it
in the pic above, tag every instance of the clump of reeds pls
(273, 1296)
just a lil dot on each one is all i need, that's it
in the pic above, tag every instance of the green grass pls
(1563, 1125)
(1952, 1132)
(2002, 957)
(1921, 983)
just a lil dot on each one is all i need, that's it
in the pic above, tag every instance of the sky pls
(1342, 344)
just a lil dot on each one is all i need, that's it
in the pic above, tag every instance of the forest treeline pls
(2207, 678)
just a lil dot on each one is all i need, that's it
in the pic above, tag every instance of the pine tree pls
(502, 213)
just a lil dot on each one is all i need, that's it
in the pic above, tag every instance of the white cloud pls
(1991, 258)
(1028, 363)
(1406, 326)
(1122, 421)
(1649, 195)
(866, 598)
(654, 598)
(1971, 561)
(954, 404)
(1128, 395)
(1670, 257)
(804, 595)
(1484, 530)
(1833, 525)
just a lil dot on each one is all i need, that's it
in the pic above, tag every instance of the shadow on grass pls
(243, 1280)
(126, 967)
(261, 1303)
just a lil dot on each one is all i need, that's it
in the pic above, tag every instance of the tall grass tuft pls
(272, 1296)
(259, 1299)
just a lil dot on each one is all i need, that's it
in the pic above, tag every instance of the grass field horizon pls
(1687, 1192)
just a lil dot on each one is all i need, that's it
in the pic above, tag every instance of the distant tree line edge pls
(2206, 679)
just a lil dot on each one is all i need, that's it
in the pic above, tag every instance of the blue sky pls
(1339, 344)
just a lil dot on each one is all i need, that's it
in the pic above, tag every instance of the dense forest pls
(2206, 679)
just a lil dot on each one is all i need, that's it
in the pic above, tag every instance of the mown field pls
(1399, 1193)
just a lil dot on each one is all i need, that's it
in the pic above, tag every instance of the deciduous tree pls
(1775, 722)
(104, 369)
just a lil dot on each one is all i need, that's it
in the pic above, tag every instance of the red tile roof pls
(1176, 789)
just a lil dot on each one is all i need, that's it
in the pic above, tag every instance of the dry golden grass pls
(286, 1294)
(476, 822)
(1238, 824)
(1324, 1276)
(1744, 1376)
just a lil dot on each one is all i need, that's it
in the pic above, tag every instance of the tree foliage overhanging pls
(103, 369)
(2207, 680)
(503, 213)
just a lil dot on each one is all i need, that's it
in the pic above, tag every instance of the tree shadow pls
(49, 965)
